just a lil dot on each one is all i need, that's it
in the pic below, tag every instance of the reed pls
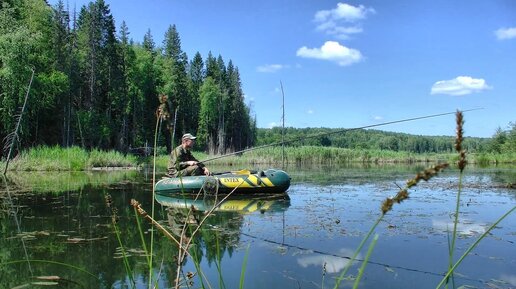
(317, 155)
(44, 158)
(110, 159)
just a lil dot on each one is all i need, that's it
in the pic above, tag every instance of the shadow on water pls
(300, 242)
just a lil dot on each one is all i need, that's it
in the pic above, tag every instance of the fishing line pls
(335, 132)
(360, 260)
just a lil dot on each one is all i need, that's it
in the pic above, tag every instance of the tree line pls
(97, 88)
(503, 141)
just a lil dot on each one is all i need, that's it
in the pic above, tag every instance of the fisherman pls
(182, 162)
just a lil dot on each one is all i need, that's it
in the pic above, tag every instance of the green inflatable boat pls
(271, 181)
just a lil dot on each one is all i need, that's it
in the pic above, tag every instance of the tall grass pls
(317, 155)
(43, 158)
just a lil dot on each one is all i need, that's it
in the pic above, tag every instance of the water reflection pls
(63, 218)
(465, 227)
(332, 264)
(238, 203)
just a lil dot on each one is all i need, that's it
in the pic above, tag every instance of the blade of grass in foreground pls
(364, 263)
(244, 266)
(452, 269)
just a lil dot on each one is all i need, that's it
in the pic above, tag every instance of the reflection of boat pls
(240, 204)
(270, 181)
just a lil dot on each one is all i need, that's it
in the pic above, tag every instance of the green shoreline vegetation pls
(76, 159)
(56, 158)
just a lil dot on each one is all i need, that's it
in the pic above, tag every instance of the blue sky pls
(353, 63)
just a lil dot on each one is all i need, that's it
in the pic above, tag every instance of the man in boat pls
(182, 162)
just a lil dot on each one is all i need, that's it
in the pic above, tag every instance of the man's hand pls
(191, 163)
(206, 171)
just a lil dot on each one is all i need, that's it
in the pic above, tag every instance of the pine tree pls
(196, 77)
(175, 83)
(102, 98)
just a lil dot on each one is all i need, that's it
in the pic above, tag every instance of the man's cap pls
(188, 136)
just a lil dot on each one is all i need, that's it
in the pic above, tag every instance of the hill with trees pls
(503, 141)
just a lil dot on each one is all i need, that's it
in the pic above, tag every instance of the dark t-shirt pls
(178, 158)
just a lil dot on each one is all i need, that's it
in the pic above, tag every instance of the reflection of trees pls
(505, 177)
(219, 233)
(74, 228)
(62, 182)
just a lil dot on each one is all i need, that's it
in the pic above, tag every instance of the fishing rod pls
(334, 132)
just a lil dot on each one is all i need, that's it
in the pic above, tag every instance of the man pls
(182, 162)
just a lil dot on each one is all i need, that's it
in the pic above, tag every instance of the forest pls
(95, 87)
(503, 141)
(90, 86)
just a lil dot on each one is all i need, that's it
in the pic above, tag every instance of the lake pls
(57, 231)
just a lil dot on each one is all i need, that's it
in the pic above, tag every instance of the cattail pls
(460, 132)
(458, 141)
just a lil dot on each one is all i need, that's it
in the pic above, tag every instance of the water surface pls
(60, 225)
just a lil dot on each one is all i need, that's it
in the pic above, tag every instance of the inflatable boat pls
(271, 181)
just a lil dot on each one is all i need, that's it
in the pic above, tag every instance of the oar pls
(334, 132)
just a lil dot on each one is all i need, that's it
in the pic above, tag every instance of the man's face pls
(189, 143)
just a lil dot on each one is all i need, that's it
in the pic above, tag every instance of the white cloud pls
(345, 12)
(270, 68)
(506, 33)
(310, 111)
(342, 20)
(460, 85)
(332, 51)
(377, 118)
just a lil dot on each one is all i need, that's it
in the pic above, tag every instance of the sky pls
(348, 64)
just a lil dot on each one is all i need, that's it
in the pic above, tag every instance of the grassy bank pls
(317, 155)
(68, 159)
(77, 159)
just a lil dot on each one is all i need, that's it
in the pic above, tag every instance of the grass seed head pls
(460, 131)
(401, 196)
(387, 205)
(458, 140)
